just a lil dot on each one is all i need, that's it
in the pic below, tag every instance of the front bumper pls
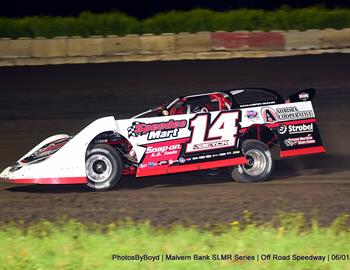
(16, 178)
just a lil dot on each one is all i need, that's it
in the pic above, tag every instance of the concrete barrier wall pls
(305, 40)
(21, 47)
(331, 38)
(199, 42)
(169, 46)
(247, 40)
(42, 47)
(78, 46)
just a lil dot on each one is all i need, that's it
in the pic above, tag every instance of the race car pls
(241, 130)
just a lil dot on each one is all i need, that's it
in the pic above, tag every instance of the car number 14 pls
(221, 133)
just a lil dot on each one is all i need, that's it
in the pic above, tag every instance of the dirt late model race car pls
(244, 130)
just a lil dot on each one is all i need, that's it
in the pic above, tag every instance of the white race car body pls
(174, 142)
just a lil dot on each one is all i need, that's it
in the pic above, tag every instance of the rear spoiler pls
(304, 95)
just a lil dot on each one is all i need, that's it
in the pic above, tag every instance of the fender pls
(67, 165)
(46, 141)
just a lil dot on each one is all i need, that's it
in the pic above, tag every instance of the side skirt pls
(191, 167)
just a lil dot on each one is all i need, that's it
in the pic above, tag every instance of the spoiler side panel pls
(294, 125)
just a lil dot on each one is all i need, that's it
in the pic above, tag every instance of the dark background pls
(145, 8)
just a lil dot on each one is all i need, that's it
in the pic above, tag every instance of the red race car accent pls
(192, 167)
(57, 181)
(303, 151)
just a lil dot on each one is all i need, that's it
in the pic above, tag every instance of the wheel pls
(103, 167)
(260, 163)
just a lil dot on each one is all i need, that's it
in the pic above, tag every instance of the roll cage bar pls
(279, 98)
(167, 107)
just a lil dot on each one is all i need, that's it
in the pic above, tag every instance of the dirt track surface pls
(37, 102)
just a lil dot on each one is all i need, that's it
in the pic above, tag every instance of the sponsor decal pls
(308, 139)
(282, 129)
(296, 129)
(252, 115)
(211, 156)
(182, 160)
(303, 96)
(209, 145)
(283, 114)
(163, 150)
(290, 142)
(292, 113)
(162, 162)
(152, 164)
(257, 104)
(304, 128)
(269, 115)
(156, 130)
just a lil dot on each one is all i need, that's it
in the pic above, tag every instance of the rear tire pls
(103, 167)
(260, 163)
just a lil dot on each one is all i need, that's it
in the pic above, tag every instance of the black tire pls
(260, 163)
(103, 167)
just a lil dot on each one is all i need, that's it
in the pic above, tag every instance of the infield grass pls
(72, 245)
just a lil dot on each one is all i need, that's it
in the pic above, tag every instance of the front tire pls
(260, 163)
(103, 167)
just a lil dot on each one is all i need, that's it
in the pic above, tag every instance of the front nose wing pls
(5, 175)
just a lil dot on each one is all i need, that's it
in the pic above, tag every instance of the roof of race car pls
(233, 92)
